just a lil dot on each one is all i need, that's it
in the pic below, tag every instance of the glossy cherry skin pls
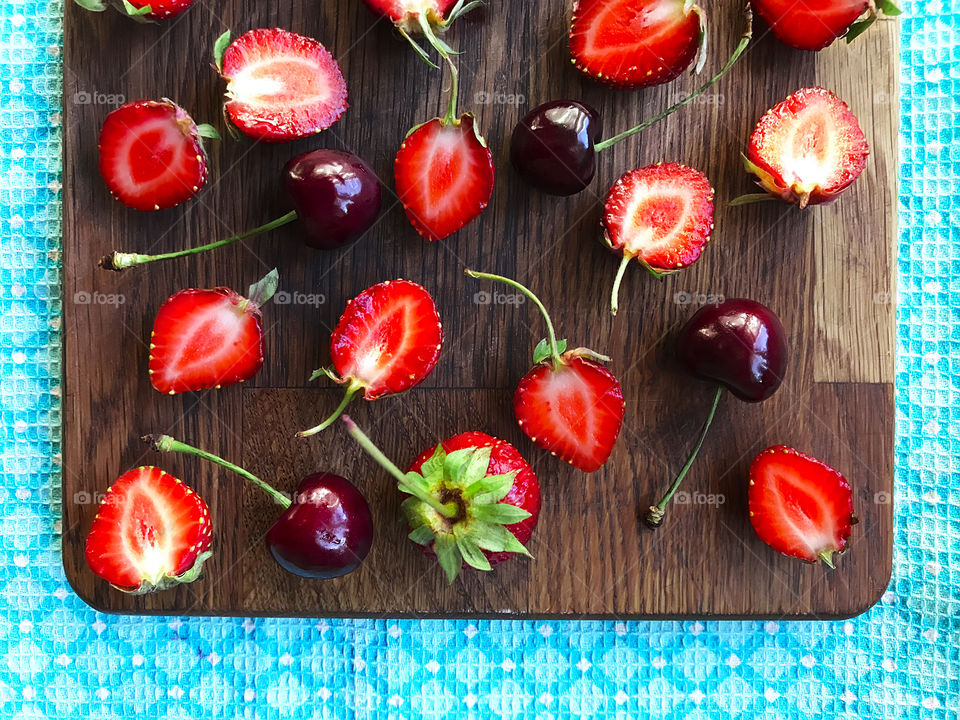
(552, 146)
(336, 196)
(739, 344)
(326, 532)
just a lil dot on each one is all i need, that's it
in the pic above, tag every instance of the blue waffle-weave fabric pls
(59, 659)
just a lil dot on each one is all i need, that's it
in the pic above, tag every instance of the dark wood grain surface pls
(828, 272)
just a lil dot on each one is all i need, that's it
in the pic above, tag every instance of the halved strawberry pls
(636, 43)
(815, 24)
(444, 176)
(151, 154)
(141, 10)
(807, 149)
(388, 340)
(150, 533)
(208, 338)
(280, 85)
(799, 506)
(662, 215)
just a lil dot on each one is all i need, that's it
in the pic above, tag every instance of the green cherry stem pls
(448, 510)
(165, 443)
(552, 335)
(654, 516)
(121, 261)
(744, 41)
(352, 389)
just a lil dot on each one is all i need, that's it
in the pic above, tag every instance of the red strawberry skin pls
(162, 9)
(634, 43)
(205, 339)
(150, 532)
(808, 148)
(151, 156)
(388, 338)
(444, 176)
(799, 506)
(282, 86)
(810, 24)
(504, 458)
(405, 12)
(574, 412)
(661, 214)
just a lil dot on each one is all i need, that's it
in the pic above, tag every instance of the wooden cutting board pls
(828, 272)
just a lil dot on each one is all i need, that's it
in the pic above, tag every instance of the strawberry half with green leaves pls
(661, 215)
(426, 18)
(140, 10)
(208, 338)
(800, 506)
(280, 85)
(474, 501)
(806, 150)
(569, 404)
(151, 154)
(815, 24)
(387, 340)
(636, 43)
(150, 533)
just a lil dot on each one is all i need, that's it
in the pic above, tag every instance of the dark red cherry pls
(552, 146)
(739, 344)
(326, 532)
(336, 196)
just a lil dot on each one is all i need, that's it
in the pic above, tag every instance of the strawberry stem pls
(741, 46)
(615, 293)
(444, 51)
(121, 261)
(165, 443)
(352, 389)
(448, 510)
(654, 516)
(554, 346)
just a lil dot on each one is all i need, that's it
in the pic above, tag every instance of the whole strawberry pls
(636, 43)
(569, 404)
(151, 154)
(806, 150)
(474, 501)
(150, 533)
(815, 24)
(280, 85)
(387, 340)
(426, 18)
(140, 10)
(208, 338)
(799, 506)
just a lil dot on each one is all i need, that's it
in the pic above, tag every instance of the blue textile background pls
(60, 659)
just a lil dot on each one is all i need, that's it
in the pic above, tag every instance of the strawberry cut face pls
(634, 43)
(388, 339)
(444, 176)
(799, 506)
(574, 412)
(808, 148)
(282, 86)
(151, 156)
(661, 214)
(150, 533)
(204, 339)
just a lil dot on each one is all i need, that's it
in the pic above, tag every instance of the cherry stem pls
(165, 443)
(744, 41)
(615, 293)
(443, 50)
(554, 348)
(120, 261)
(352, 389)
(448, 510)
(655, 515)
